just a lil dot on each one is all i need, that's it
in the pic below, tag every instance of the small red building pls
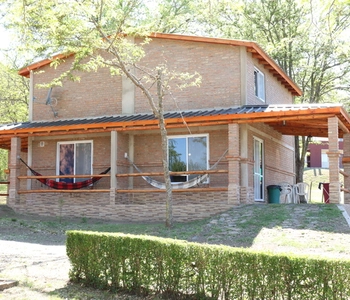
(317, 154)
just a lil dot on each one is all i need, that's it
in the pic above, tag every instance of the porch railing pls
(4, 182)
(192, 189)
(121, 175)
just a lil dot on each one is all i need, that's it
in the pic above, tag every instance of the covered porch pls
(330, 121)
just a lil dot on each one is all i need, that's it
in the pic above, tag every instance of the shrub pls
(144, 264)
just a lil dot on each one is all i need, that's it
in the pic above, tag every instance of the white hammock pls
(178, 185)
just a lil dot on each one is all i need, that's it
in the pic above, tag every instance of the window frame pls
(259, 169)
(187, 136)
(259, 84)
(75, 143)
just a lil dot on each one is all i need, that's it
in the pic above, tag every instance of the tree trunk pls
(301, 145)
(165, 163)
(169, 190)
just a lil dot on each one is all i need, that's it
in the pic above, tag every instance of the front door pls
(258, 170)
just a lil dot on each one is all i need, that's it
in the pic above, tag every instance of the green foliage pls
(172, 268)
(13, 95)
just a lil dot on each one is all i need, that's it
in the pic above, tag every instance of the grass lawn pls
(313, 176)
(313, 229)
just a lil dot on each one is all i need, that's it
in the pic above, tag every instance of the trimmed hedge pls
(144, 264)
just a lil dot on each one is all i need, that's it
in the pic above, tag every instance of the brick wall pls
(278, 155)
(99, 93)
(218, 65)
(129, 207)
(275, 93)
(96, 94)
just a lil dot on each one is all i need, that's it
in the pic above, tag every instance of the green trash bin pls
(274, 192)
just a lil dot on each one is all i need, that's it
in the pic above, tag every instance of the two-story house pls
(239, 125)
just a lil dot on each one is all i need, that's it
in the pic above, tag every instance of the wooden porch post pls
(333, 157)
(233, 158)
(14, 167)
(346, 165)
(131, 156)
(113, 178)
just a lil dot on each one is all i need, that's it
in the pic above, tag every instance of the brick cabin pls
(317, 154)
(241, 117)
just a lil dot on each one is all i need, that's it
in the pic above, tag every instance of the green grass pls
(313, 176)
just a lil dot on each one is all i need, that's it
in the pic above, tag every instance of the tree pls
(91, 29)
(13, 102)
(308, 39)
(13, 95)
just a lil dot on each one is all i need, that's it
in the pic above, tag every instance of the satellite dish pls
(48, 98)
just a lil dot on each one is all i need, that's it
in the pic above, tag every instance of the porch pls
(119, 196)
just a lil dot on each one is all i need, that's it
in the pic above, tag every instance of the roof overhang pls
(303, 120)
(252, 47)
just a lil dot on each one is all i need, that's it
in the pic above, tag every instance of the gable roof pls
(304, 120)
(252, 47)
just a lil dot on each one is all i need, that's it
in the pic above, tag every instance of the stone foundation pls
(133, 207)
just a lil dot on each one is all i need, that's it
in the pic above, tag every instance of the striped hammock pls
(178, 185)
(61, 185)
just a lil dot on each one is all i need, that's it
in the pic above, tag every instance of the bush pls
(144, 264)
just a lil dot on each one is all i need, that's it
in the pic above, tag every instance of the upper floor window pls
(259, 84)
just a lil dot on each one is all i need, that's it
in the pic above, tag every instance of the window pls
(74, 158)
(188, 153)
(259, 84)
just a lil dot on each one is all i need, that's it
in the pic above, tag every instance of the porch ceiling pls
(304, 120)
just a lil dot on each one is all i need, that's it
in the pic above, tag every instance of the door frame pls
(258, 170)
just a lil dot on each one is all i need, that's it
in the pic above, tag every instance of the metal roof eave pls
(271, 115)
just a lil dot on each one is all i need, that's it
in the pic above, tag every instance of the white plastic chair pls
(301, 190)
(286, 192)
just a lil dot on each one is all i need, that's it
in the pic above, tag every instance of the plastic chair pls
(286, 192)
(301, 192)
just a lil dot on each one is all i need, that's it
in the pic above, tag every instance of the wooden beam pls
(62, 176)
(342, 126)
(343, 173)
(190, 190)
(64, 191)
(345, 190)
(171, 173)
(346, 159)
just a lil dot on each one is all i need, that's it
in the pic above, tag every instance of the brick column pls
(233, 158)
(14, 167)
(346, 165)
(246, 191)
(333, 157)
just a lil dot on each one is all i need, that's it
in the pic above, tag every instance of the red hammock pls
(61, 185)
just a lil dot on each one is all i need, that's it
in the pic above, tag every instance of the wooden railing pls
(172, 173)
(345, 175)
(193, 189)
(150, 190)
(4, 182)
